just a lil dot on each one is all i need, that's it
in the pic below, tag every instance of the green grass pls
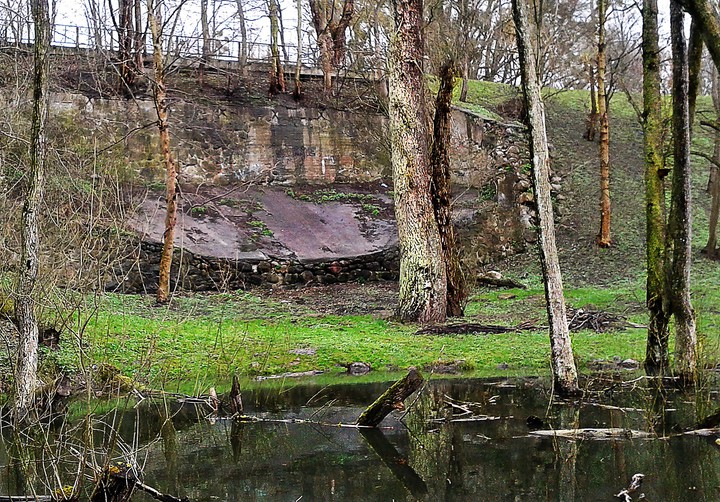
(203, 340)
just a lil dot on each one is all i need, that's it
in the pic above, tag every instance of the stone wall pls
(138, 272)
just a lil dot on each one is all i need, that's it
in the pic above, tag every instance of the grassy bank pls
(208, 338)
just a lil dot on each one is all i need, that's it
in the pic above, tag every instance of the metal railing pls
(180, 47)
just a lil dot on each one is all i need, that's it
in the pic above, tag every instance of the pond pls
(462, 439)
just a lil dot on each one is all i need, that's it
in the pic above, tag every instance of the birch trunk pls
(27, 358)
(422, 271)
(161, 107)
(563, 365)
(680, 221)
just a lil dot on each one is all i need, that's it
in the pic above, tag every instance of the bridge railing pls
(185, 47)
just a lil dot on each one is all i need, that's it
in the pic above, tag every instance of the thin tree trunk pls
(465, 77)
(277, 76)
(656, 355)
(423, 283)
(161, 107)
(711, 249)
(680, 221)
(563, 365)
(703, 13)
(139, 49)
(27, 359)
(205, 27)
(695, 53)
(297, 93)
(243, 38)
(440, 159)
(603, 238)
(281, 32)
(591, 126)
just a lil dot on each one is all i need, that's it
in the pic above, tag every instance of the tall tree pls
(331, 19)
(297, 93)
(564, 371)
(277, 75)
(27, 359)
(711, 248)
(440, 160)
(679, 252)
(656, 356)
(243, 55)
(603, 237)
(423, 280)
(161, 107)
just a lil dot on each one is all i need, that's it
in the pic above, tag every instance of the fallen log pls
(496, 279)
(392, 399)
(469, 328)
(600, 434)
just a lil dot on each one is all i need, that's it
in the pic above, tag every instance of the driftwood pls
(594, 434)
(396, 462)
(635, 484)
(392, 399)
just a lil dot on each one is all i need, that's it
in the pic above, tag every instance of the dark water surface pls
(425, 457)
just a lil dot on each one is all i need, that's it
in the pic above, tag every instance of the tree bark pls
(563, 365)
(656, 355)
(161, 107)
(297, 93)
(703, 14)
(277, 76)
(591, 126)
(423, 281)
(680, 221)
(711, 249)
(27, 358)
(440, 159)
(695, 53)
(243, 55)
(331, 22)
(603, 238)
(205, 27)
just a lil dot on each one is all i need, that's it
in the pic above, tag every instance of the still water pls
(464, 439)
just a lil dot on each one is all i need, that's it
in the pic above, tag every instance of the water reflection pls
(428, 456)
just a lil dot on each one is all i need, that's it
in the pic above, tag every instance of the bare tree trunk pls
(277, 76)
(27, 359)
(465, 77)
(205, 27)
(711, 249)
(564, 371)
(126, 40)
(591, 126)
(297, 93)
(679, 224)
(603, 238)
(695, 53)
(243, 38)
(330, 24)
(656, 355)
(440, 159)
(422, 271)
(161, 107)
(703, 14)
(139, 49)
